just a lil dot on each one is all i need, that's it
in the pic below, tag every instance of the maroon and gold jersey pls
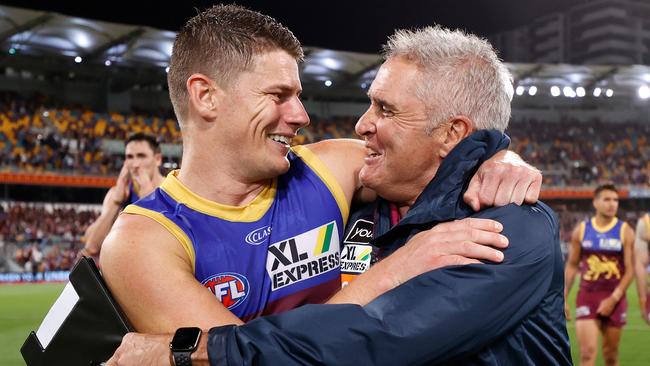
(601, 257)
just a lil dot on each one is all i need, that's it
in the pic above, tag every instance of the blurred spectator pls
(571, 153)
(37, 136)
(46, 237)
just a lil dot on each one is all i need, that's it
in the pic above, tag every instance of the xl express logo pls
(231, 289)
(304, 256)
(355, 258)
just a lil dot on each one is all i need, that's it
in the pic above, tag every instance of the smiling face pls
(261, 114)
(401, 157)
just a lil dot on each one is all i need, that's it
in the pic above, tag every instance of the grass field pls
(22, 308)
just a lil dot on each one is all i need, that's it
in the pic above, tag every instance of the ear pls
(457, 129)
(204, 96)
(158, 157)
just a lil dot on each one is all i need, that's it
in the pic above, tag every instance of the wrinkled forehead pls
(398, 71)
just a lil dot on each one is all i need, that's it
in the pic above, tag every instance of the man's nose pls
(366, 125)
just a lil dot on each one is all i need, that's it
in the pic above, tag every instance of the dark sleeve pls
(438, 316)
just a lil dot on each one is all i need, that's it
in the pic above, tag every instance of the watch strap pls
(182, 358)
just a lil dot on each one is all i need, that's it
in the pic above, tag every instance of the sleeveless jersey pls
(276, 253)
(133, 196)
(601, 257)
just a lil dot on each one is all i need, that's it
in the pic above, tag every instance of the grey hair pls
(462, 75)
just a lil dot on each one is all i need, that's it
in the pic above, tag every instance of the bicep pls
(574, 247)
(151, 277)
(344, 159)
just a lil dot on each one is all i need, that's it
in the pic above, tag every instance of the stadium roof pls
(30, 37)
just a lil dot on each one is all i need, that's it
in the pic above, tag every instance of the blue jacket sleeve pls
(438, 316)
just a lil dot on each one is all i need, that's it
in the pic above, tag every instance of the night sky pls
(352, 25)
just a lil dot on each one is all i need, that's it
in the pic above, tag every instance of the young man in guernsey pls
(601, 251)
(641, 263)
(139, 176)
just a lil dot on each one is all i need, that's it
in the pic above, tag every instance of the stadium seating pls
(38, 135)
(57, 229)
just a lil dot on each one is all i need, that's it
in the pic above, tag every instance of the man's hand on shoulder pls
(503, 179)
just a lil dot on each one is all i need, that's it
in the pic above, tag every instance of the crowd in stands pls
(577, 154)
(36, 135)
(44, 235)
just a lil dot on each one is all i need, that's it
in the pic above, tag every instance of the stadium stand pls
(37, 137)
(55, 229)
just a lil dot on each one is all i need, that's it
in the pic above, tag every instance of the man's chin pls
(368, 180)
(277, 168)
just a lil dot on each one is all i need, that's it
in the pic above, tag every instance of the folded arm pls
(436, 317)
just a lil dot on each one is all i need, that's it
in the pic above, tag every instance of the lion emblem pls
(601, 266)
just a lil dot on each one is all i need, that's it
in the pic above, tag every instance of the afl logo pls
(257, 236)
(231, 289)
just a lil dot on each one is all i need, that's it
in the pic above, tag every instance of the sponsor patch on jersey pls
(230, 288)
(355, 258)
(257, 236)
(360, 233)
(612, 244)
(304, 256)
(582, 311)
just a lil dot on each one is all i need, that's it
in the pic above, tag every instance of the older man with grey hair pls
(439, 106)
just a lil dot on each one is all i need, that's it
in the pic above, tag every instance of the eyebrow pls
(285, 88)
(382, 101)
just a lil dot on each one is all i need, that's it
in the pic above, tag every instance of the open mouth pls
(283, 140)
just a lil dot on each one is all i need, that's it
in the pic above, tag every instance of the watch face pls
(185, 339)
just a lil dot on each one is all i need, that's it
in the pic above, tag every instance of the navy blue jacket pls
(484, 314)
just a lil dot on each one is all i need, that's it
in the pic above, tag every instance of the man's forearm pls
(374, 282)
(102, 227)
(398, 327)
(390, 330)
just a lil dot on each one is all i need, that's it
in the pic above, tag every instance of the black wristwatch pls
(183, 344)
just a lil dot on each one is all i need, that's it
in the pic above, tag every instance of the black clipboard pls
(91, 331)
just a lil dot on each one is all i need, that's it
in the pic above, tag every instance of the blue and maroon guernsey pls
(277, 253)
(133, 196)
(601, 257)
